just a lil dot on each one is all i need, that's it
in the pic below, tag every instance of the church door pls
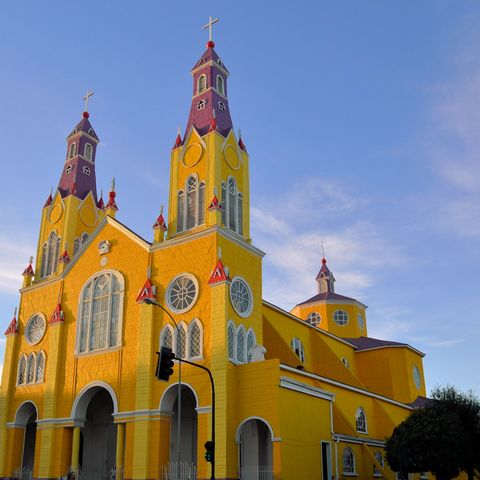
(255, 451)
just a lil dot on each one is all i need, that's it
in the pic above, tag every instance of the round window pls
(416, 377)
(35, 329)
(360, 321)
(182, 293)
(314, 319)
(241, 297)
(340, 317)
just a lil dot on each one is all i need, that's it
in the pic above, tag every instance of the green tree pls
(442, 437)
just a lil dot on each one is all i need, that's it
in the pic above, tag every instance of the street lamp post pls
(148, 301)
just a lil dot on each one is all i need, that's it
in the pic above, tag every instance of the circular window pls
(241, 297)
(314, 319)
(361, 323)
(35, 329)
(340, 317)
(416, 377)
(182, 293)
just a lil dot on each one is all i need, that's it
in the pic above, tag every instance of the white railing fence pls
(24, 473)
(256, 472)
(178, 471)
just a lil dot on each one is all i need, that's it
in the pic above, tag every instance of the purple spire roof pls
(78, 175)
(209, 100)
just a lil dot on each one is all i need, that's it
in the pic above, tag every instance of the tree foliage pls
(442, 437)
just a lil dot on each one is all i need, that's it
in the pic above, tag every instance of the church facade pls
(300, 394)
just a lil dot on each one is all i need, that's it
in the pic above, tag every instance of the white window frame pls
(21, 369)
(381, 461)
(348, 473)
(51, 248)
(85, 152)
(199, 79)
(317, 315)
(231, 325)
(34, 368)
(120, 294)
(417, 377)
(194, 322)
(40, 354)
(247, 312)
(241, 331)
(344, 313)
(238, 222)
(169, 288)
(86, 170)
(27, 326)
(188, 329)
(360, 411)
(297, 344)
(221, 90)
(72, 151)
(183, 193)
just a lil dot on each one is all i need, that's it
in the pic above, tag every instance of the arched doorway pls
(26, 417)
(188, 431)
(254, 438)
(98, 436)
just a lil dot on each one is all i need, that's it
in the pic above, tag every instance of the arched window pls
(76, 246)
(348, 460)
(191, 204)
(379, 458)
(50, 254)
(40, 368)
(31, 368)
(22, 370)
(88, 152)
(297, 347)
(361, 420)
(73, 148)
(251, 342)
(84, 237)
(241, 357)
(231, 340)
(220, 85)
(201, 83)
(181, 341)
(166, 337)
(180, 210)
(100, 315)
(195, 339)
(232, 202)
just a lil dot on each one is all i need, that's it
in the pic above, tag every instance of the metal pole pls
(179, 392)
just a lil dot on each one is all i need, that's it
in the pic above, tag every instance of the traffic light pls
(209, 451)
(164, 364)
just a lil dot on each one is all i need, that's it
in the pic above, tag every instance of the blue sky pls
(362, 123)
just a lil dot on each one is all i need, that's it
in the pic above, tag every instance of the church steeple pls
(78, 175)
(325, 279)
(209, 100)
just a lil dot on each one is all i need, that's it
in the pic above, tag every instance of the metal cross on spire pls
(86, 97)
(323, 250)
(209, 26)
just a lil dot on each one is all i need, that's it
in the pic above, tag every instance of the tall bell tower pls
(209, 181)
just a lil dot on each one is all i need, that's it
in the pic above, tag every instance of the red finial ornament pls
(160, 222)
(101, 203)
(210, 44)
(324, 261)
(49, 201)
(13, 327)
(178, 140)
(29, 270)
(85, 114)
(111, 196)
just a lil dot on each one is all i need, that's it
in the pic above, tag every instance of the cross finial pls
(15, 312)
(113, 185)
(161, 209)
(86, 97)
(31, 260)
(209, 26)
(323, 250)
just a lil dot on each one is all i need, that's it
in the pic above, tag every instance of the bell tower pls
(72, 212)
(209, 172)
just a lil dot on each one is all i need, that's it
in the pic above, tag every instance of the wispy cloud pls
(292, 228)
(14, 255)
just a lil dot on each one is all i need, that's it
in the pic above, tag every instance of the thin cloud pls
(13, 259)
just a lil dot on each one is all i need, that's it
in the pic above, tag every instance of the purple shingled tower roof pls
(209, 100)
(78, 175)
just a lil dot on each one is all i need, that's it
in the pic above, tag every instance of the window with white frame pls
(50, 254)
(241, 345)
(69, 168)
(314, 319)
(231, 340)
(250, 343)
(31, 368)
(22, 370)
(182, 293)
(220, 85)
(191, 204)
(379, 458)
(361, 321)
(417, 379)
(195, 339)
(241, 297)
(348, 461)
(297, 347)
(186, 342)
(232, 203)
(35, 329)
(73, 148)
(361, 420)
(340, 317)
(101, 305)
(201, 104)
(221, 106)
(201, 83)
(86, 170)
(88, 152)
(40, 367)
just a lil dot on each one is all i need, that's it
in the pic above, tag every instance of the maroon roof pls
(421, 402)
(85, 126)
(366, 343)
(327, 296)
(209, 54)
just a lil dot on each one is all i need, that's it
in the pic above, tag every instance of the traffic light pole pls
(212, 477)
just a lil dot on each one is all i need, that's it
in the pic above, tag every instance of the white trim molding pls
(305, 388)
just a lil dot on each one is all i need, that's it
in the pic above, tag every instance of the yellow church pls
(300, 394)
